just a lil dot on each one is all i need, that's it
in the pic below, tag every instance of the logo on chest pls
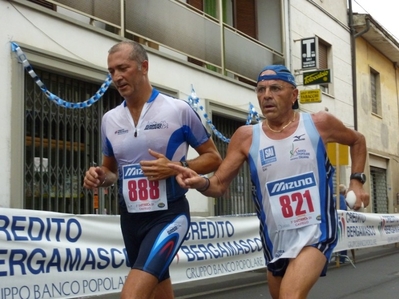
(132, 171)
(298, 153)
(121, 131)
(291, 184)
(153, 125)
(267, 155)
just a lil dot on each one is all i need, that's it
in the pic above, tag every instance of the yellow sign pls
(310, 96)
(338, 152)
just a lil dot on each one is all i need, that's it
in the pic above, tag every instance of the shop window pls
(60, 145)
(237, 200)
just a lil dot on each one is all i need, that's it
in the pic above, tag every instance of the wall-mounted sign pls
(309, 53)
(317, 77)
(310, 96)
(338, 154)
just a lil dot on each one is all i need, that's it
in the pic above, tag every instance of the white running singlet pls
(293, 182)
(166, 125)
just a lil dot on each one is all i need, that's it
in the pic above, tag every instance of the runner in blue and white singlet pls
(166, 125)
(293, 183)
(140, 138)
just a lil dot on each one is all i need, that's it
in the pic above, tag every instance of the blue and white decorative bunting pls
(22, 58)
(193, 99)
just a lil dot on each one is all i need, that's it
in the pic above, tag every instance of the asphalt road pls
(373, 278)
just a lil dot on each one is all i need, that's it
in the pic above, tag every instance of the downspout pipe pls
(354, 35)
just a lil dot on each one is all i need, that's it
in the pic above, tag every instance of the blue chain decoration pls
(193, 100)
(22, 58)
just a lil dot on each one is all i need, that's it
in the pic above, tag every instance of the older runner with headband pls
(292, 179)
(139, 138)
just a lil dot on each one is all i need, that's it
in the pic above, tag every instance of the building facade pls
(377, 57)
(215, 48)
(326, 22)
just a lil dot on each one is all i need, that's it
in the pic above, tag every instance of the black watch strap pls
(361, 177)
(184, 163)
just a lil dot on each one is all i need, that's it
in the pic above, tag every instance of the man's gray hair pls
(138, 53)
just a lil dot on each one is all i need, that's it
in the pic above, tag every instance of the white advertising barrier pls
(217, 246)
(361, 230)
(52, 255)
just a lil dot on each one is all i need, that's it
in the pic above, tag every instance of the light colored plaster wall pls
(381, 131)
(5, 111)
(43, 31)
(337, 8)
(206, 84)
(307, 21)
(68, 40)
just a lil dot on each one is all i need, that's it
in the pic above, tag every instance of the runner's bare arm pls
(331, 129)
(237, 153)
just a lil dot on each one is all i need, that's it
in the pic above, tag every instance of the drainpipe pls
(123, 25)
(353, 56)
(286, 16)
(222, 43)
(395, 68)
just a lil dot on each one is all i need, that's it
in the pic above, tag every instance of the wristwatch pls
(360, 176)
(184, 163)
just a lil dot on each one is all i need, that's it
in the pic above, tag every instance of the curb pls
(252, 278)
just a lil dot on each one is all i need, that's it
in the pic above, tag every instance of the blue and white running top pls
(293, 191)
(167, 126)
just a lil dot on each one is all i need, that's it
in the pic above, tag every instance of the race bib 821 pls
(295, 201)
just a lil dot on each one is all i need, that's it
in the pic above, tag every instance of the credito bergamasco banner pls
(361, 230)
(217, 246)
(52, 255)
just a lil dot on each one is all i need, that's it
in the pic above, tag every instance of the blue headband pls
(282, 73)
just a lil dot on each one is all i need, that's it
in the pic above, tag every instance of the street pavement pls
(215, 287)
(206, 288)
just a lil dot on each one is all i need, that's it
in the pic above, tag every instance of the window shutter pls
(44, 4)
(373, 85)
(323, 60)
(198, 4)
(245, 17)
